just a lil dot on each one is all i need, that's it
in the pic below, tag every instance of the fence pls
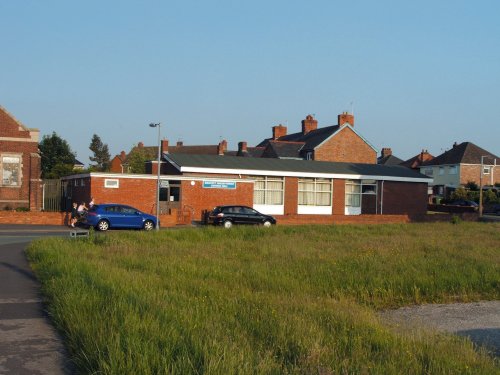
(52, 195)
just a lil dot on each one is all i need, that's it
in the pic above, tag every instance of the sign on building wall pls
(219, 185)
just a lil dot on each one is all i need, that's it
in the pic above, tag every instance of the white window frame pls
(111, 183)
(452, 169)
(441, 171)
(18, 182)
(486, 169)
(268, 206)
(315, 208)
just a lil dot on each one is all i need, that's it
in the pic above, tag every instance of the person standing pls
(74, 215)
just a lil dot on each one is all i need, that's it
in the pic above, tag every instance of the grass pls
(288, 300)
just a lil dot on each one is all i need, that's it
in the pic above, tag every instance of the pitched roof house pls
(416, 161)
(20, 167)
(460, 165)
(340, 143)
(387, 158)
(120, 163)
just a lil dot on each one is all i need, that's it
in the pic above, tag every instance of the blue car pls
(105, 216)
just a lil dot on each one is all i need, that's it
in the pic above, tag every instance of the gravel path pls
(480, 321)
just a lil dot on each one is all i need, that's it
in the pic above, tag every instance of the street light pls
(158, 178)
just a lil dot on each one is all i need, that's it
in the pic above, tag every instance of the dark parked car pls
(494, 209)
(464, 203)
(105, 216)
(229, 215)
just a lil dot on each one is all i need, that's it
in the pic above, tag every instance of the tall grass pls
(289, 300)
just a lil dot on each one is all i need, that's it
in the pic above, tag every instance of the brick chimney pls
(386, 151)
(242, 148)
(180, 143)
(346, 117)
(123, 155)
(309, 124)
(140, 145)
(222, 147)
(279, 131)
(164, 146)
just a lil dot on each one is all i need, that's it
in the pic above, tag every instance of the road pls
(28, 342)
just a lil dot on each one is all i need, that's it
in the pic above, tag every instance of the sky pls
(416, 74)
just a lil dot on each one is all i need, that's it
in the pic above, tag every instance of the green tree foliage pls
(137, 159)
(57, 158)
(471, 185)
(459, 193)
(101, 158)
(490, 196)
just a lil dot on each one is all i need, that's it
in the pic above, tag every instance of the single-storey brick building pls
(280, 187)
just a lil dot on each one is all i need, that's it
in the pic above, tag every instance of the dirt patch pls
(479, 321)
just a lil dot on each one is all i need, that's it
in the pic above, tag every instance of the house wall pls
(346, 146)
(115, 165)
(445, 179)
(198, 199)
(137, 192)
(291, 195)
(401, 198)
(16, 140)
(471, 172)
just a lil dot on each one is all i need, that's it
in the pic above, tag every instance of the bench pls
(80, 233)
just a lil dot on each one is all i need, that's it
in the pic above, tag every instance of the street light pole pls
(157, 125)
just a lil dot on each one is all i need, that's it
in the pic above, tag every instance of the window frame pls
(267, 191)
(316, 193)
(18, 171)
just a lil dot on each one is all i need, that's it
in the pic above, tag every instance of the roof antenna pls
(352, 107)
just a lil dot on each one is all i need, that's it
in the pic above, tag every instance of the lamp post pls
(157, 125)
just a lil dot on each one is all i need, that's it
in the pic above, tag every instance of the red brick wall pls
(346, 146)
(472, 173)
(29, 193)
(404, 198)
(338, 197)
(199, 199)
(291, 195)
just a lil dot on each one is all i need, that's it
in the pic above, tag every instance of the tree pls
(56, 156)
(459, 193)
(101, 156)
(137, 159)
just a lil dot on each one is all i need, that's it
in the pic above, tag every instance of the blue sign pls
(219, 185)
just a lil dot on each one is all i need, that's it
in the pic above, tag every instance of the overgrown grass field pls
(285, 300)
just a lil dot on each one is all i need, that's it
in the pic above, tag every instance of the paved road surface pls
(28, 342)
(479, 321)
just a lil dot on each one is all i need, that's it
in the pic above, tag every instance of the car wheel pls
(102, 225)
(267, 223)
(148, 225)
(227, 224)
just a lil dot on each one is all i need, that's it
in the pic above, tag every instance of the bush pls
(490, 197)
(471, 185)
(459, 193)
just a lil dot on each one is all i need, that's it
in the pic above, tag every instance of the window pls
(428, 171)
(353, 193)
(441, 171)
(486, 169)
(452, 169)
(315, 192)
(309, 155)
(268, 190)
(10, 170)
(109, 183)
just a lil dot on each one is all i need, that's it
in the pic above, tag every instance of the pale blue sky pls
(421, 74)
